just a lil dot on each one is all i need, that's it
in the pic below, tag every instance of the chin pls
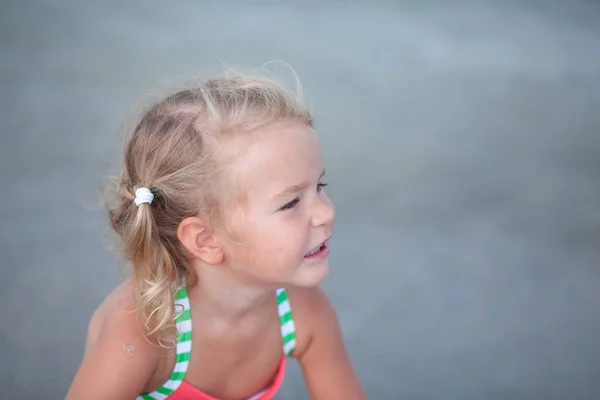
(312, 275)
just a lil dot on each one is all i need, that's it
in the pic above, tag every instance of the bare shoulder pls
(120, 298)
(115, 316)
(311, 308)
(320, 349)
(115, 346)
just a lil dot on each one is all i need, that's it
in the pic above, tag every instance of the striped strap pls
(184, 347)
(288, 328)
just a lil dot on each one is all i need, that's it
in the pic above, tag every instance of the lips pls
(317, 250)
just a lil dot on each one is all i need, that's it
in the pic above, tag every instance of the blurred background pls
(462, 144)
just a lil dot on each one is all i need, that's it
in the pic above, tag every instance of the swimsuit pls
(177, 389)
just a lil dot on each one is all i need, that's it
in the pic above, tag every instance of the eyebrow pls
(296, 188)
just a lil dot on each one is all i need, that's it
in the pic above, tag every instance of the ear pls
(199, 239)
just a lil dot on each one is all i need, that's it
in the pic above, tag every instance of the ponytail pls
(154, 269)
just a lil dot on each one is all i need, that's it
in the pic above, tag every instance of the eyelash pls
(290, 205)
(295, 202)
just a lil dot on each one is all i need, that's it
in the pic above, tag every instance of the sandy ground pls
(462, 142)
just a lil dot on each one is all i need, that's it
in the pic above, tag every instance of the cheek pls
(257, 237)
(270, 239)
(282, 237)
(292, 234)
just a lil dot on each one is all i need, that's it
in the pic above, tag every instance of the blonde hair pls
(173, 152)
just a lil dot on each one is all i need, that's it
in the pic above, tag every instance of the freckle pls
(129, 347)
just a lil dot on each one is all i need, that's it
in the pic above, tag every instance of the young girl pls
(222, 213)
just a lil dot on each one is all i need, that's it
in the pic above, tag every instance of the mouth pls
(321, 251)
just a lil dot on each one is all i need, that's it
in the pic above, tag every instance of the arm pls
(324, 360)
(109, 371)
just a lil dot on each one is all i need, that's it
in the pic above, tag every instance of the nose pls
(324, 212)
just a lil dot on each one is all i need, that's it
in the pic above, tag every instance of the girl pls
(222, 213)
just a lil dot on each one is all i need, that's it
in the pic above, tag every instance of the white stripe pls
(173, 385)
(184, 347)
(259, 395)
(185, 302)
(284, 308)
(181, 366)
(279, 291)
(289, 346)
(288, 328)
(184, 326)
(159, 396)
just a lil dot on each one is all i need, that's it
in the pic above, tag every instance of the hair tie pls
(143, 195)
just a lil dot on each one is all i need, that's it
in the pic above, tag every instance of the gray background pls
(462, 141)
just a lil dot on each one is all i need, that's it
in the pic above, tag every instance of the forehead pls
(276, 158)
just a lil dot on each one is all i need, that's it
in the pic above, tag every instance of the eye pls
(290, 205)
(320, 186)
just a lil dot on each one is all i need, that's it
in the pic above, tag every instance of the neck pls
(220, 291)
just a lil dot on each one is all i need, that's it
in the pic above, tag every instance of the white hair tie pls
(143, 195)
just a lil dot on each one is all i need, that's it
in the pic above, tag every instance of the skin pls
(236, 339)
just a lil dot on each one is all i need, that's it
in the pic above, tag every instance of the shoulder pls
(312, 311)
(320, 349)
(116, 318)
(115, 347)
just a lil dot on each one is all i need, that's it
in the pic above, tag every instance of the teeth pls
(315, 251)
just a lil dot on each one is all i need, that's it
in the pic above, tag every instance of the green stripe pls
(184, 316)
(181, 293)
(177, 376)
(285, 318)
(289, 337)
(182, 357)
(184, 337)
(164, 390)
(147, 397)
(281, 297)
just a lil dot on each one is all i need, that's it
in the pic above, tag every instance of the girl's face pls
(282, 224)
